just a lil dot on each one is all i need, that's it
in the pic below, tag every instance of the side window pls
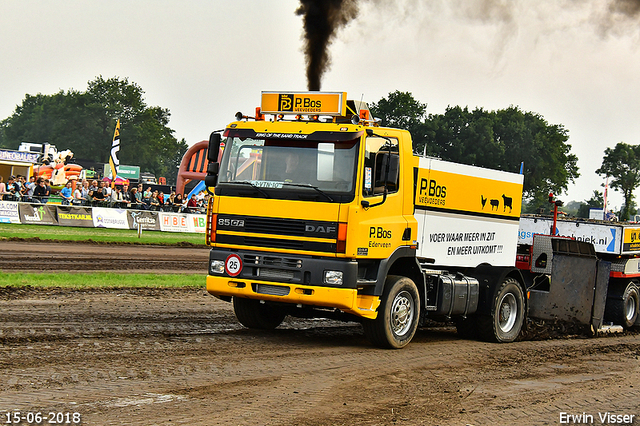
(381, 166)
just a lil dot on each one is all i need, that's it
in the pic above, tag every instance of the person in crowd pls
(13, 188)
(126, 196)
(41, 193)
(47, 184)
(192, 204)
(161, 200)
(85, 189)
(93, 186)
(116, 197)
(106, 188)
(98, 194)
(3, 189)
(178, 203)
(67, 194)
(18, 181)
(78, 199)
(154, 203)
(135, 198)
(146, 199)
(171, 199)
(27, 189)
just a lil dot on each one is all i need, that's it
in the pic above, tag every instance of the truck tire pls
(507, 314)
(253, 314)
(623, 305)
(398, 314)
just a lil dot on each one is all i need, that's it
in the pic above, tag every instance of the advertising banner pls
(197, 223)
(462, 240)
(37, 214)
(605, 238)
(445, 186)
(149, 220)
(9, 212)
(174, 222)
(104, 217)
(75, 216)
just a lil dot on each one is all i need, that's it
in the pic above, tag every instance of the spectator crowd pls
(97, 193)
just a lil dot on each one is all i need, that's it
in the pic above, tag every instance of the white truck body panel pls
(475, 221)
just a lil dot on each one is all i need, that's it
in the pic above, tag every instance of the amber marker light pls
(341, 246)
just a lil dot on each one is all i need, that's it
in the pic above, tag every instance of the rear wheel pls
(623, 305)
(398, 314)
(507, 314)
(253, 314)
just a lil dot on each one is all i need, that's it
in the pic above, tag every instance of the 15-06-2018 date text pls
(40, 418)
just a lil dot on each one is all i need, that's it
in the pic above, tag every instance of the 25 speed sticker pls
(233, 265)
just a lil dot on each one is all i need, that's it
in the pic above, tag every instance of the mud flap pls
(578, 286)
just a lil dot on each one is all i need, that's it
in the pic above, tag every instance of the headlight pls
(217, 266)
(333, 277)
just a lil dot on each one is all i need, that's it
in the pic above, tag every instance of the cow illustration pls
(483, 201)
(506, 203)
(494, 203)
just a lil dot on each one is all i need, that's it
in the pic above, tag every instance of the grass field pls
(45, 232)
(100, 279)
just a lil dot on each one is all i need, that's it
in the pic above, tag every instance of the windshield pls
(284, 169)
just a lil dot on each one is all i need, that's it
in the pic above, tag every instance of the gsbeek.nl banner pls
(100, 217)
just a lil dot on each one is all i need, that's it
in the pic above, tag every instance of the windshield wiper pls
(308, 185)
(244, 182)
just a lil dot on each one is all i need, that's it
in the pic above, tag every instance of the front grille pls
(261, 225)
(273, 290)
(282, 261)
(286, 262)
(271, 242)
(277, 274)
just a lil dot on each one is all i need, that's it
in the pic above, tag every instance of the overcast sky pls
(575, 62)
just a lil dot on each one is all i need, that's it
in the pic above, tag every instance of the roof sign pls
(320, 103)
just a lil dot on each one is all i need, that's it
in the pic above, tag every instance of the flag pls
(113, 159)
(606, 188)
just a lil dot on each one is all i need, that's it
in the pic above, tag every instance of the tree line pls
(84, 122)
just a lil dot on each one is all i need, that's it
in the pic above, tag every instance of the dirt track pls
(145, 357)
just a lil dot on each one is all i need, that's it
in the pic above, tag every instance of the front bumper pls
(289, 279)
(346, 299)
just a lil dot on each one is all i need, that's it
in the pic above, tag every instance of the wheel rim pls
(402, 313)
(630, 308)
(508, 312)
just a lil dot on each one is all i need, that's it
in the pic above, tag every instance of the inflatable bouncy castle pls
(58, 171)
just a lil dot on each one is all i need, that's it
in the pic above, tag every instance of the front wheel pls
(397, 319)
(253, 314)
(507, 314)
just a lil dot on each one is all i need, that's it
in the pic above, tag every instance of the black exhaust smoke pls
(322, 19)
(630, 8)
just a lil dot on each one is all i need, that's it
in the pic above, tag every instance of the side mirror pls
(214, 147)
(213, 168)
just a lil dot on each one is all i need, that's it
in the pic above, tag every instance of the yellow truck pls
(319, 212)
